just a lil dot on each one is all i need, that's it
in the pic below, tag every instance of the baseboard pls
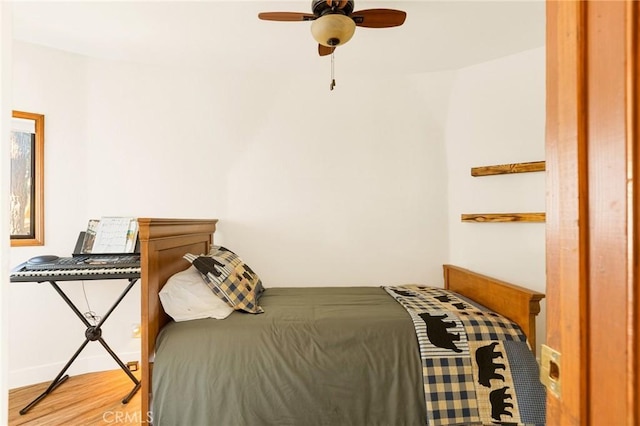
(47, 372)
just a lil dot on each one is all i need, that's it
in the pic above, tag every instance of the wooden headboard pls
(163, 242)
(517, 303)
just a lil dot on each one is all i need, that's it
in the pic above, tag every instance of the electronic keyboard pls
(79, 268)
(85, 262)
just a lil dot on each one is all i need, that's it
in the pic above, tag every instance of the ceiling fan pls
(334, 21)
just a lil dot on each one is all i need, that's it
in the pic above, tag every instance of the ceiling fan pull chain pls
(333, 80)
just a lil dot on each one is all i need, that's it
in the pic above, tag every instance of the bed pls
(399, 398)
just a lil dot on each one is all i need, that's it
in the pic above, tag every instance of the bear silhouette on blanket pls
(485, 356)
(438, 333)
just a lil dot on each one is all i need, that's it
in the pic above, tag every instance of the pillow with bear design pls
(229, 278)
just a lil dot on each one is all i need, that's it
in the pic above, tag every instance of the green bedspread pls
(316, 356)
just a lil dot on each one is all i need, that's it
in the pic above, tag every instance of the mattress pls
(323, 356)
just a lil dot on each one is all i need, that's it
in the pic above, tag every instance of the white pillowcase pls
(186, 297)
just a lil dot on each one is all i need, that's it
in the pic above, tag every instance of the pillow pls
(229, 278)
(185, 297)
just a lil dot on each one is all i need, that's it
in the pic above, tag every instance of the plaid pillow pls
(229, 278)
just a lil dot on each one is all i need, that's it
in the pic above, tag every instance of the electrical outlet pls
(135, 331)
(133, 365)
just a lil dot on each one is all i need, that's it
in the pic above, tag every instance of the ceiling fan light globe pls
(333, 29)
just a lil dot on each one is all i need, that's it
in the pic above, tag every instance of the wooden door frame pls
(593, 204)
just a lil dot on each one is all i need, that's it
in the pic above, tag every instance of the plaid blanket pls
(477, 366)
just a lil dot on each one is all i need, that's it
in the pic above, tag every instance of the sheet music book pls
(111, 235)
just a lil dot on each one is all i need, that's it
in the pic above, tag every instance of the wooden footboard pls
(163, 242)
(517, 303)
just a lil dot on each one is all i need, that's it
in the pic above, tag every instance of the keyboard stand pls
(93, 333)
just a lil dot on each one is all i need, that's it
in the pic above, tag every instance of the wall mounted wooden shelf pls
(501, 169)
(503, 217)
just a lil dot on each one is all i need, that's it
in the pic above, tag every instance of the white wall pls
(286, 165)
(311, 187)
(496, 116)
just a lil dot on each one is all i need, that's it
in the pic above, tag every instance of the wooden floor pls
(87, 399)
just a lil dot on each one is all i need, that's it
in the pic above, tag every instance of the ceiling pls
(227, 36)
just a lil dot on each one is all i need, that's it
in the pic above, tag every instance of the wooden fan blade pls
(324, 50)
(286, 16)
(379, 18)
